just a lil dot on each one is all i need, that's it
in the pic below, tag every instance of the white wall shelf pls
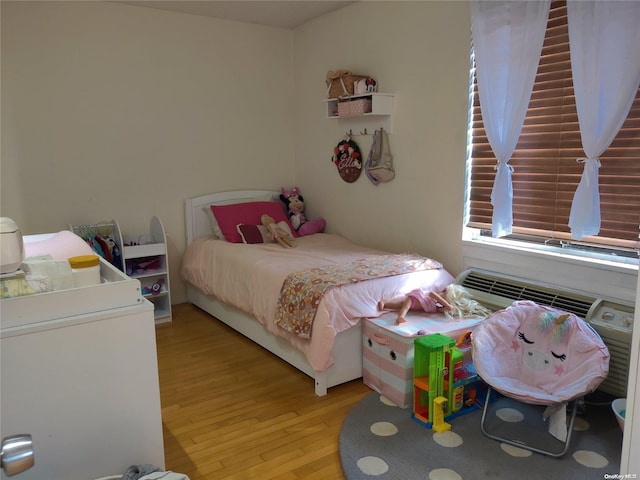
(379, 116)
(381, 104)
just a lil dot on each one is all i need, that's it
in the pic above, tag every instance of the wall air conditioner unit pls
(612, 319)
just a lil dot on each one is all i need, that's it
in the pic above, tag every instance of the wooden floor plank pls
(232, 410)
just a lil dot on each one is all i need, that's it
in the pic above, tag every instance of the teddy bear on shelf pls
(295, 206)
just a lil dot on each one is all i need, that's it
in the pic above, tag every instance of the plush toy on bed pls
(295, 206)
(279, 231)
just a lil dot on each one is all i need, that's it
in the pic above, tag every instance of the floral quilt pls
(302, 291)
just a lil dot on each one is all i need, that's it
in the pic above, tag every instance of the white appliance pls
(79, 374)
(612, 319)
(11, 246)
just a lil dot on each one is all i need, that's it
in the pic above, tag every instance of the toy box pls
(388, 350)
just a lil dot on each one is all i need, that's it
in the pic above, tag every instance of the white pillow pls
(266, 197)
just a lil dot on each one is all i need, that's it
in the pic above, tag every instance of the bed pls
(239, 284)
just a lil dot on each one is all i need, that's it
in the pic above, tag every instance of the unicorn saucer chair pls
(540, 356)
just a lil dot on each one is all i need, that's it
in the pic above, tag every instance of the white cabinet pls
(79, 373)
(630, 462)
(145, 258)
(363, 113)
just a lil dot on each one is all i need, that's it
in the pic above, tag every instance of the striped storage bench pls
(387, 350)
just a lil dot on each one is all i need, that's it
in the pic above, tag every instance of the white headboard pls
(197, 218)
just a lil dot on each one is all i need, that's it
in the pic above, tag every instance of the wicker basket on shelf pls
(340, 83)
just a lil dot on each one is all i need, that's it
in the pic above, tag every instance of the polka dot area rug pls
(378, 440)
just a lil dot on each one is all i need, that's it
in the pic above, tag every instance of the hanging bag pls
(379, 166)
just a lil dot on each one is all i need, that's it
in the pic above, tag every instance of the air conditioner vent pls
(616, 381)
(514, 289)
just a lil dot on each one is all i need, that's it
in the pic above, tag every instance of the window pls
(546, 173)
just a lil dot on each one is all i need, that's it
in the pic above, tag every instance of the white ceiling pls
(275, 13)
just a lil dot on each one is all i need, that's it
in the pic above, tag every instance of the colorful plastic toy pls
(444, 385)
(439, 406)
(154, 289)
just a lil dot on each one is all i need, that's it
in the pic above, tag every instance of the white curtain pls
(507, 42)
(604, 41)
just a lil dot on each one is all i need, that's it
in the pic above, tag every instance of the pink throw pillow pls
(250, 213)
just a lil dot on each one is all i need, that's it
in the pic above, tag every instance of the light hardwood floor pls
(232, 410)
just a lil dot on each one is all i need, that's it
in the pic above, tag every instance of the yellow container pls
(86, 270)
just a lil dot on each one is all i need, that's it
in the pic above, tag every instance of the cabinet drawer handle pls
(380, 339)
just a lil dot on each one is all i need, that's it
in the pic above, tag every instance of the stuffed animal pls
(280, 234)
(295, 206)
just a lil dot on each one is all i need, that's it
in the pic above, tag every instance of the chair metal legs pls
(522, 443)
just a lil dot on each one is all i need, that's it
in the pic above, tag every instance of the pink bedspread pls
(250, 278)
